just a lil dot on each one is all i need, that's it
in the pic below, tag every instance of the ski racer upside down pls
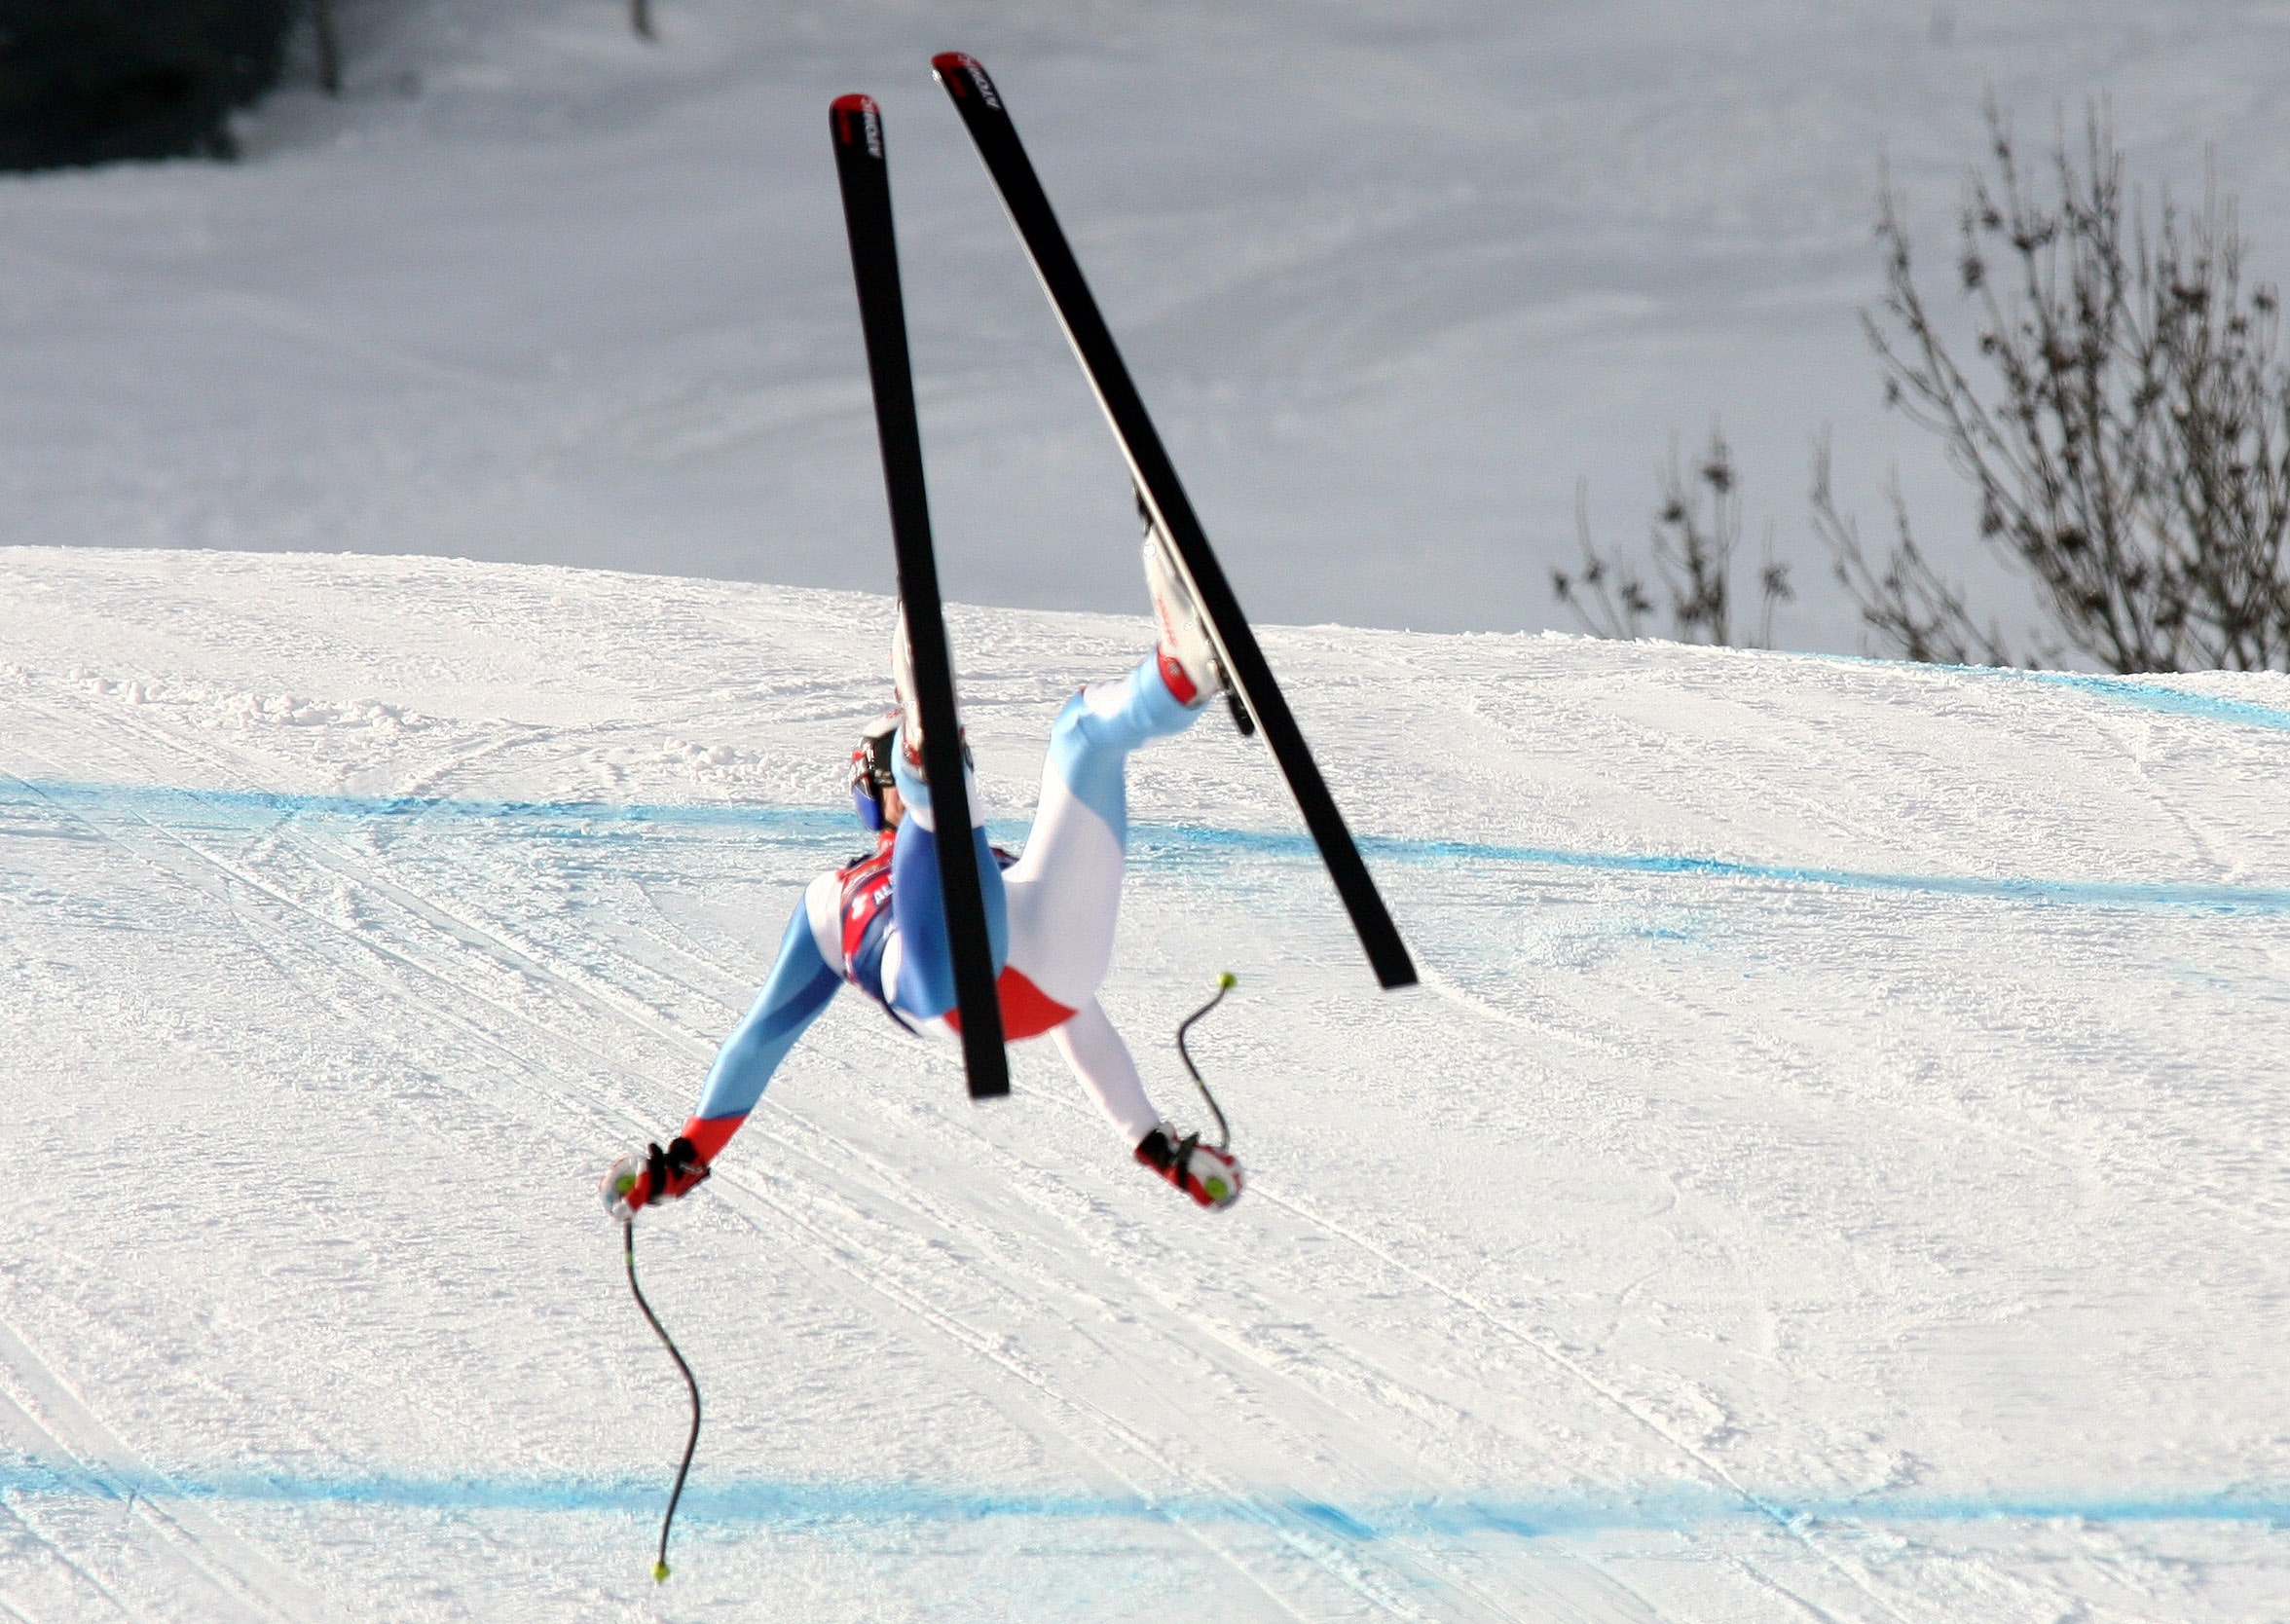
(880, 924)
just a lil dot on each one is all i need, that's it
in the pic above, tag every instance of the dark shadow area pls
(104, 81)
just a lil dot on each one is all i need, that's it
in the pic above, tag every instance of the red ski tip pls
(855, 121)
(961, 73)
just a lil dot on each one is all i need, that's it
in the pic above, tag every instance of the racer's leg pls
(1099, 1058)
(1064, 894)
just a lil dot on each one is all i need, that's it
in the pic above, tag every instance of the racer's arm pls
(801, 985)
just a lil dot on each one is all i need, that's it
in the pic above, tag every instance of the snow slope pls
(1393, 274)
(1833, 1170)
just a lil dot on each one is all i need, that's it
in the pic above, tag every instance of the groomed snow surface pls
(1832, 1170)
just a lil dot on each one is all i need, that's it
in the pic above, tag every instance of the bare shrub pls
(1919, 615)
(2129, 436)
(329, 41)
(1694, 538)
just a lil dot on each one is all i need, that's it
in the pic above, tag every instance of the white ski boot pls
(902, 680)
(1187, 659)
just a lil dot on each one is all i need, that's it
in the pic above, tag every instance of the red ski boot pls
(1202, 1171)
(649, 1176)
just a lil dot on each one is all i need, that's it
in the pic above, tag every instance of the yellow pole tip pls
(659, 1572)
(1226, 979)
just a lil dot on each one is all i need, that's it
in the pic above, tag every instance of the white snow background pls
(1393, 276)
(1833, 1170)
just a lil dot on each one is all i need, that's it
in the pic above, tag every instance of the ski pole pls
(628, 1252)
(1226, 982)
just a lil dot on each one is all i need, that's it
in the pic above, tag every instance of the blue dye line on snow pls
(2157, 696)
(2145, 692)
(785, 1504)
(255, 808)
(834, 834)
(2221, 899)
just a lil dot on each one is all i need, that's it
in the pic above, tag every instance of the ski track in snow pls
(1712, 1193)
(873, 1268)
(160, 1546)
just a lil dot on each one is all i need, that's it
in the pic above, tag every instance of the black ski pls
(1167, 505)
(856, 127)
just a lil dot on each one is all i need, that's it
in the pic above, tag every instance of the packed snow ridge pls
(1832, 1169)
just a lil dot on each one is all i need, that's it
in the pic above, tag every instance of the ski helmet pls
(871, 768)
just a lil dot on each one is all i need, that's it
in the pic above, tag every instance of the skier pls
(880, 923)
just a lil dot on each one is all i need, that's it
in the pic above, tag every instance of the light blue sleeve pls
(800, 986)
